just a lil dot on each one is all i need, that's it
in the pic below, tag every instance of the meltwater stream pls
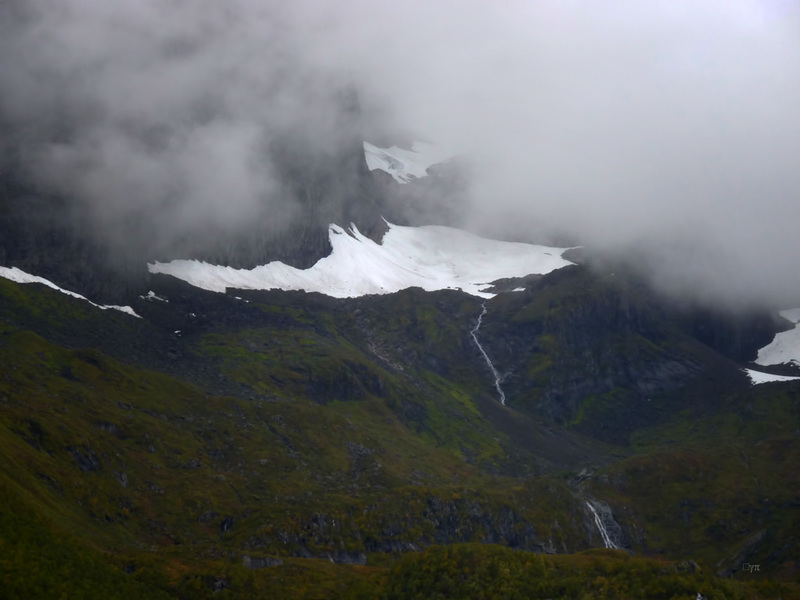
(607, 541)
(497, 377)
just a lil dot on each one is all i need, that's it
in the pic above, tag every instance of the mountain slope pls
(592, 351)
(268, 440)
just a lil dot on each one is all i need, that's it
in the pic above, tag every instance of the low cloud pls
(670, 127)
(162, 110)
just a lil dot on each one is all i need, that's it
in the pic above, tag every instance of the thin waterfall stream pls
(497, 378)
(607, 541)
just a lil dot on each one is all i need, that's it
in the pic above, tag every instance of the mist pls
(666, 130)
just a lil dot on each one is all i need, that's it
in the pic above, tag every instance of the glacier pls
(430, 257)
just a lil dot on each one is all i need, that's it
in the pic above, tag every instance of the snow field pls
(785, 348)
(404, 165)
(757, 377)
(432, 258)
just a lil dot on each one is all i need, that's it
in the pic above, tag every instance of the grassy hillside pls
(726, 486)
(297, 446)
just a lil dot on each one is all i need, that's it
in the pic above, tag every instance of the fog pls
(665, 129)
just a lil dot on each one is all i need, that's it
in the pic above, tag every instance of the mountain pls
(437, 415)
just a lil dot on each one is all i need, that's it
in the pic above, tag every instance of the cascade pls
(497, 378)
(607, 541)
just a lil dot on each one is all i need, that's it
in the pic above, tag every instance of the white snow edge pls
(785, 347)
(757, 377)
(432, 258)
(19, 276)
(405, 165)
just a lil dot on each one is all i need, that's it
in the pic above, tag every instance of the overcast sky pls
(673, 122)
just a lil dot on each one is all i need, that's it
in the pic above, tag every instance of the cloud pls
(668, 126)
(162, 107)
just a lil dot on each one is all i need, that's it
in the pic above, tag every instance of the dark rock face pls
(348, 558)
(57, 237)
(85, 459)
(438, 522)
(602, 521)
(737, 336)
(260, 563)
(50, 237)
(599, 354)
(226, 524)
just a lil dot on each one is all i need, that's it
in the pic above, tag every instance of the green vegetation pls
(487, 572)
(39, 560)
(725, 486)
(367, 432)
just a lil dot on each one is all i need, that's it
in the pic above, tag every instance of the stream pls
(497, 378)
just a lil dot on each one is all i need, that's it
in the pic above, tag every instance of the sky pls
(669, 129)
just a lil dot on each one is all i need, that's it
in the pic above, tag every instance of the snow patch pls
(432, 258)
(757, 377)
(20, 276)
(151, 295)
(404, 165)
(785, 347)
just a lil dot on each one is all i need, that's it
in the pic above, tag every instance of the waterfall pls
(497, 377)
(601, 527)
